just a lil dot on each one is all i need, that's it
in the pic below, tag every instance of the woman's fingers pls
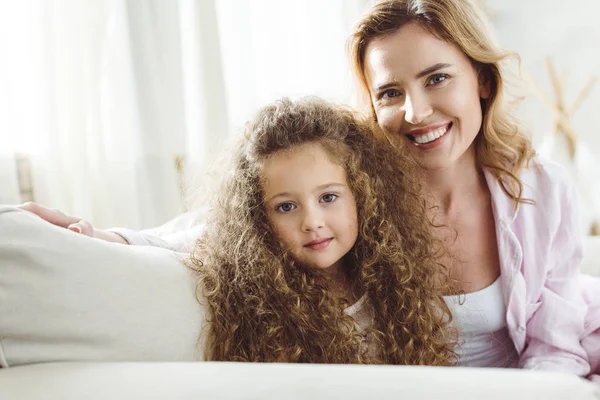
(53, 216)
(59, 218)
(83, 227)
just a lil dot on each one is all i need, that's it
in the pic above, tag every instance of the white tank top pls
(481, 321)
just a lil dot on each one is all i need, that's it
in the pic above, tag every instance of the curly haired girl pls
(319, 250)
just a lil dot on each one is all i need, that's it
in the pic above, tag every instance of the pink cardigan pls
(540, 246)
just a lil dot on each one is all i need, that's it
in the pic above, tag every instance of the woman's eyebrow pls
(433, 68)
(421, 74)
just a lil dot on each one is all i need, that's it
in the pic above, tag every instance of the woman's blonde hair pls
(264, 306)
(502, 145)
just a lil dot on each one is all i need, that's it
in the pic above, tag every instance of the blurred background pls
(108, 106)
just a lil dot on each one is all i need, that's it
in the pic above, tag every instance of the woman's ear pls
(485, 84)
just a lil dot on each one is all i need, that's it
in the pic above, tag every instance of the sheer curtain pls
(274, 48)
(108, 98)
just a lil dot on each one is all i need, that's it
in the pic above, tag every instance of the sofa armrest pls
(211, 380)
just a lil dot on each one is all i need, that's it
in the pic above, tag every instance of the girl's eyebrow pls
(329, 185)
(284, 194)
(317, 189)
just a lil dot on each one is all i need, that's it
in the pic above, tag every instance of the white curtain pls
(275, 48)
(105, 96)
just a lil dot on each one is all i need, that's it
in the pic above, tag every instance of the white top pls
(481, 321)
(362, 315)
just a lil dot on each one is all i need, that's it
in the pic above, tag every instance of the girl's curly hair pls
(265, 307)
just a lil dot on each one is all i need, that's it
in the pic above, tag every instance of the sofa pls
(86, 319)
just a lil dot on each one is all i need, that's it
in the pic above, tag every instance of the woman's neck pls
(457, 184)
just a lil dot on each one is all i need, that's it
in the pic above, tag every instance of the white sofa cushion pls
(238, 381)
(65, 297)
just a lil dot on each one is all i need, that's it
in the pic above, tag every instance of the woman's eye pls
(437, 79)
(286, 207)
(390, 93)
(328, 198)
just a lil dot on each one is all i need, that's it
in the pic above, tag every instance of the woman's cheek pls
(389, 120)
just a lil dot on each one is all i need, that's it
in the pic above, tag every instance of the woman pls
(430, 75)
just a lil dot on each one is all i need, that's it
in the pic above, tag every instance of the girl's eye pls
(286, 207)
(437, 79)
(328, 198)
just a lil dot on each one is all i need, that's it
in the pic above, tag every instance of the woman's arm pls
(177, 235)
(554, 330)
(78, 225)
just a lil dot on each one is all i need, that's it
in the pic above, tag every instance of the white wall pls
(568, 32)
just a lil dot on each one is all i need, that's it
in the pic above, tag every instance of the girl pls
(318, 248)
(431, 78)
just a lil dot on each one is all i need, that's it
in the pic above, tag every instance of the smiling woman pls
(431, 77)
(421, 84)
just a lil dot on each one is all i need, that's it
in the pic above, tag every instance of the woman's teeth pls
(431, 136)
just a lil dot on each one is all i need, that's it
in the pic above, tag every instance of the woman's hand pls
(74, 224)
(59, 218)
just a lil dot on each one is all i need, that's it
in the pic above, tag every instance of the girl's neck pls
(457, 184)
(337, 280)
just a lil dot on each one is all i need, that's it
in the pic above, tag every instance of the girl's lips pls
(319, 244)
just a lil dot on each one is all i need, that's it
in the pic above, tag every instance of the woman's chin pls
(431, 163)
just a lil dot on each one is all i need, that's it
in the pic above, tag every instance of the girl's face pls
(426, 93)
(310, 205)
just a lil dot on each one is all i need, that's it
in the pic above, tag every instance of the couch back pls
(591, 255)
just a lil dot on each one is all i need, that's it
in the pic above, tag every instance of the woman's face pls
(426, 93)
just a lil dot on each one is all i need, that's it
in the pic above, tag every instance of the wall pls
(568, 33)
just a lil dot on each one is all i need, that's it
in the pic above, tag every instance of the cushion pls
(591, 255)
(68, 297)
